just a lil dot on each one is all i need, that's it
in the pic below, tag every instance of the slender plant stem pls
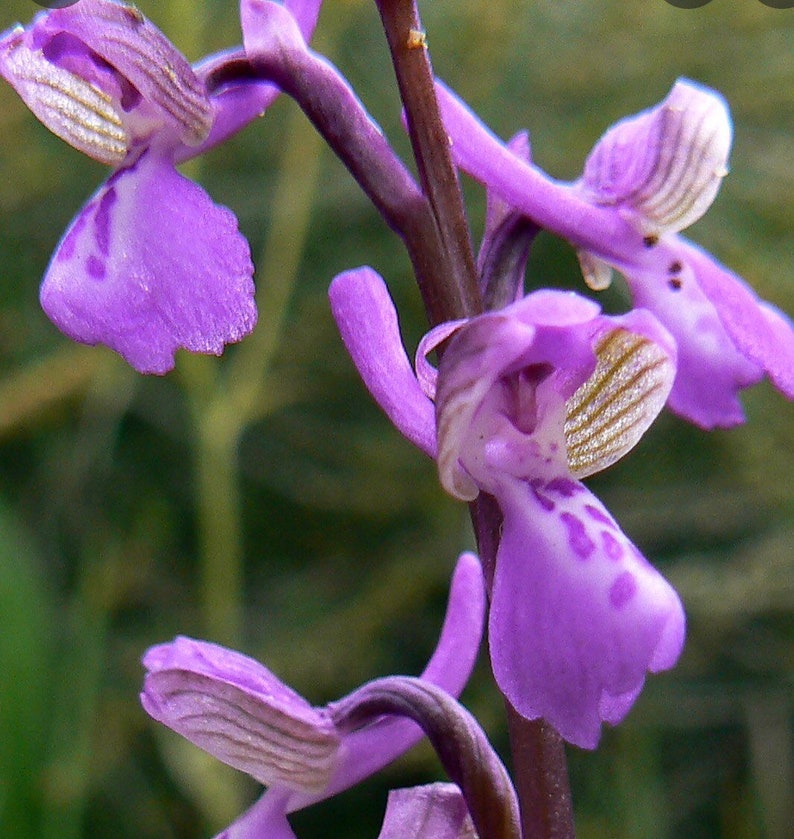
(541, 776)
(219, 526)
(453, 292)
(539, 762)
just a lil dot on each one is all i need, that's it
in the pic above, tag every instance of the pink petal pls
(578, 616)
(149, 266)
(367, 322)
(434, 811)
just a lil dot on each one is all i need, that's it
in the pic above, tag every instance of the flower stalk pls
(452, 292)
(544, 795)
(538, 753)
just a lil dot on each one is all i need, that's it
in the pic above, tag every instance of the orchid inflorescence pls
(532, 392)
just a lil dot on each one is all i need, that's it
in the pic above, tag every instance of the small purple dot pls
(581, 544)
(612, 547)
(599, 515)
(95, 268)
(542, 499)
(565, 487)
(622, 590)
(69, 245)
(102, 220)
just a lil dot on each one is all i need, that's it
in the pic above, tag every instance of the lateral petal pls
(712, 370)
(237, 710)
(367, 321)
(758, 330)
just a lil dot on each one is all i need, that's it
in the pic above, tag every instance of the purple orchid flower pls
(240, 712)
(151, 264)
(648, 177)
(529, 400)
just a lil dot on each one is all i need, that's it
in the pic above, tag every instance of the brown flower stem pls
(539, 762)
(540, 771)
(453, 293)
(332, 107)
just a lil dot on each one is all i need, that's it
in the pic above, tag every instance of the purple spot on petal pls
(66, 251)
(566, 487)
(612, 547)
(542, 499)
(102, 221)
(581, 544)
(622, 590)
(95, 268)
(129, 167)
(598, 515)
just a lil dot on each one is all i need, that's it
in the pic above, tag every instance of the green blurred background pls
(262, 500)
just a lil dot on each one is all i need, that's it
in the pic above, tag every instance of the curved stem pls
(343, 122)
(457, 738)
(339, 116)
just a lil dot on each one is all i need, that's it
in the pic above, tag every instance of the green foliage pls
(26, 662)
(262, 500)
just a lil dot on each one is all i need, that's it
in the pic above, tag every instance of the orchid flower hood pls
(239, 711)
